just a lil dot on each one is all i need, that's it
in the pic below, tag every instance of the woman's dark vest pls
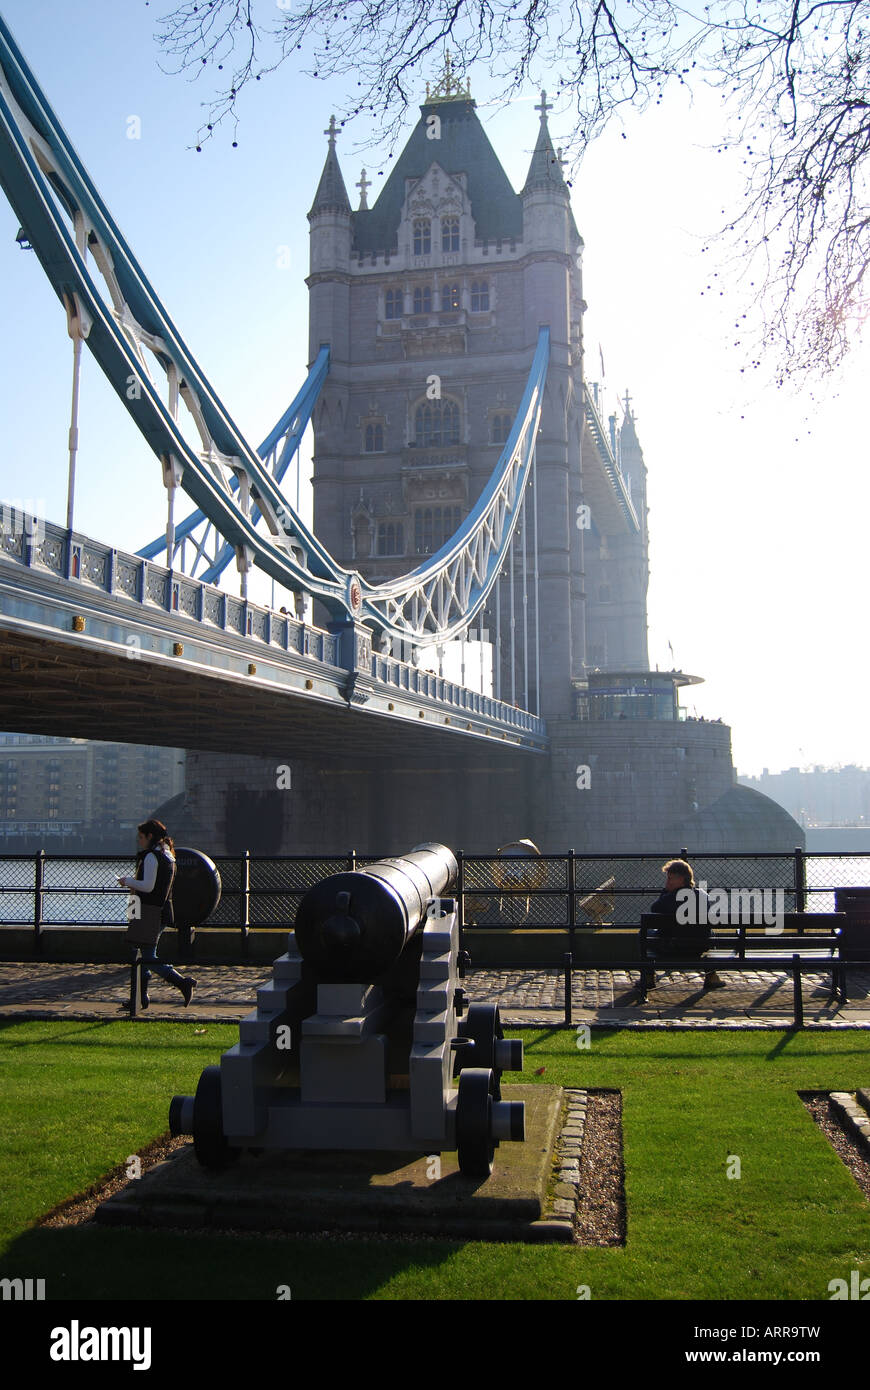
(162, 891)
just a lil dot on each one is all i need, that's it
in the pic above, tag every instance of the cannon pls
(363, 1038)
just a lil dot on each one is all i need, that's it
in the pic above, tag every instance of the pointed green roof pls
(463, 147)
(545, 170)
(331, 195)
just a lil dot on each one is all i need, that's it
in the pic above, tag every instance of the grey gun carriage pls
(362, 1039)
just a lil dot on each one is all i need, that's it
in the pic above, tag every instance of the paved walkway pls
(531, 997)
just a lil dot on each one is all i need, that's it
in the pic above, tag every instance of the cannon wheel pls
(483, 1026)
(209, 1143)
(474, 1141)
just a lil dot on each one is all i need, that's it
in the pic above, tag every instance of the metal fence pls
(570, 893)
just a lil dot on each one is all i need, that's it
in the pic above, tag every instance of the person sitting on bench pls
(684, 933)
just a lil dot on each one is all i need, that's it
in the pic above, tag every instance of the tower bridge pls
(464, 483)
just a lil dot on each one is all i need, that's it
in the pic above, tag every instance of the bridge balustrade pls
(43, 546)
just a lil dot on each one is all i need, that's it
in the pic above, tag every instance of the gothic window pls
(479, 296)
(500, 428)
(422, 236)
(451, 297)
(433, 526)
(436, 422)
(374, 439)
(391, 538)
(362, 536)
(393, 304)
(422, 300)
(449, 233)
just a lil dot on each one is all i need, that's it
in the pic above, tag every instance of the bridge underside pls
(73, 692)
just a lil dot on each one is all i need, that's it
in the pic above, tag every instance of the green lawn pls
(77, 1098)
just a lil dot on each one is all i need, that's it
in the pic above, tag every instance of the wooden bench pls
(808, 941)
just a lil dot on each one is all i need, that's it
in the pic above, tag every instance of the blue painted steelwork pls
(48, 186)
(128, 598)
(277, 450)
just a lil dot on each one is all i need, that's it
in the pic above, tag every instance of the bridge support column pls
(355, 655)
(554, 558)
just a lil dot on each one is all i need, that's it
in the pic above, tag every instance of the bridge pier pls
(233, 803)
(604, 787)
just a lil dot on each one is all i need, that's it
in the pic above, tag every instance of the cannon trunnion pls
(362, 1039)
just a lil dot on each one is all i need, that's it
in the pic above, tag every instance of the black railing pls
(569, 894)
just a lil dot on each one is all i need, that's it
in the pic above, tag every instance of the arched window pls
(422, 236)
(451, 297)
(499, 429)
(479, 296)
(374, 439)
(422, 300)
(436, 422)
(449, 233)
(393, 304)
(391, 538)
(433, 526)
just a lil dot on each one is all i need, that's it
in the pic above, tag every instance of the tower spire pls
(544, 107)
(545, 170)
(331, 195)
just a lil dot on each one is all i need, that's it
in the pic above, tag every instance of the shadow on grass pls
(77, 1034)
(545, 1035)
(97, 1263)
(782, 1043)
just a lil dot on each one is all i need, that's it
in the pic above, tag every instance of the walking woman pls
(155, 874)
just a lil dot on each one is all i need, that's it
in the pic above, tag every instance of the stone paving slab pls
(532, 997)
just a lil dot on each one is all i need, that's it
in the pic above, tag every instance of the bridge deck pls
(96, 643)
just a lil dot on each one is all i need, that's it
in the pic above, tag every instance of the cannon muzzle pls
(354, 926)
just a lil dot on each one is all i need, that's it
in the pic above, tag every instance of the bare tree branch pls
(795, 75)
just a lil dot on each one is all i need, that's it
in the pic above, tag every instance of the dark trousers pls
(661, 948)
(162, 968)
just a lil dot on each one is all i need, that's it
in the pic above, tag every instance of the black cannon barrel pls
(354, 926)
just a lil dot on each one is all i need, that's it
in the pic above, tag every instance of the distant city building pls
(819, 796)
(51, 787)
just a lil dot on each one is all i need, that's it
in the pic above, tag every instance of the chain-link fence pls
(570, 892)
(42, 890)
(578, 891)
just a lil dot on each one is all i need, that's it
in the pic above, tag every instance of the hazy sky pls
(758, 499)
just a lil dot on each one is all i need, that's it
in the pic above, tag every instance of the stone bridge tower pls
(431, 299)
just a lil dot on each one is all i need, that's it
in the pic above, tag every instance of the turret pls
(545, 195)
(547, 228)
(330, 222)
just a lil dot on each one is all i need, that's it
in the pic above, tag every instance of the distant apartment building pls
(818, 796)
(59, 787)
